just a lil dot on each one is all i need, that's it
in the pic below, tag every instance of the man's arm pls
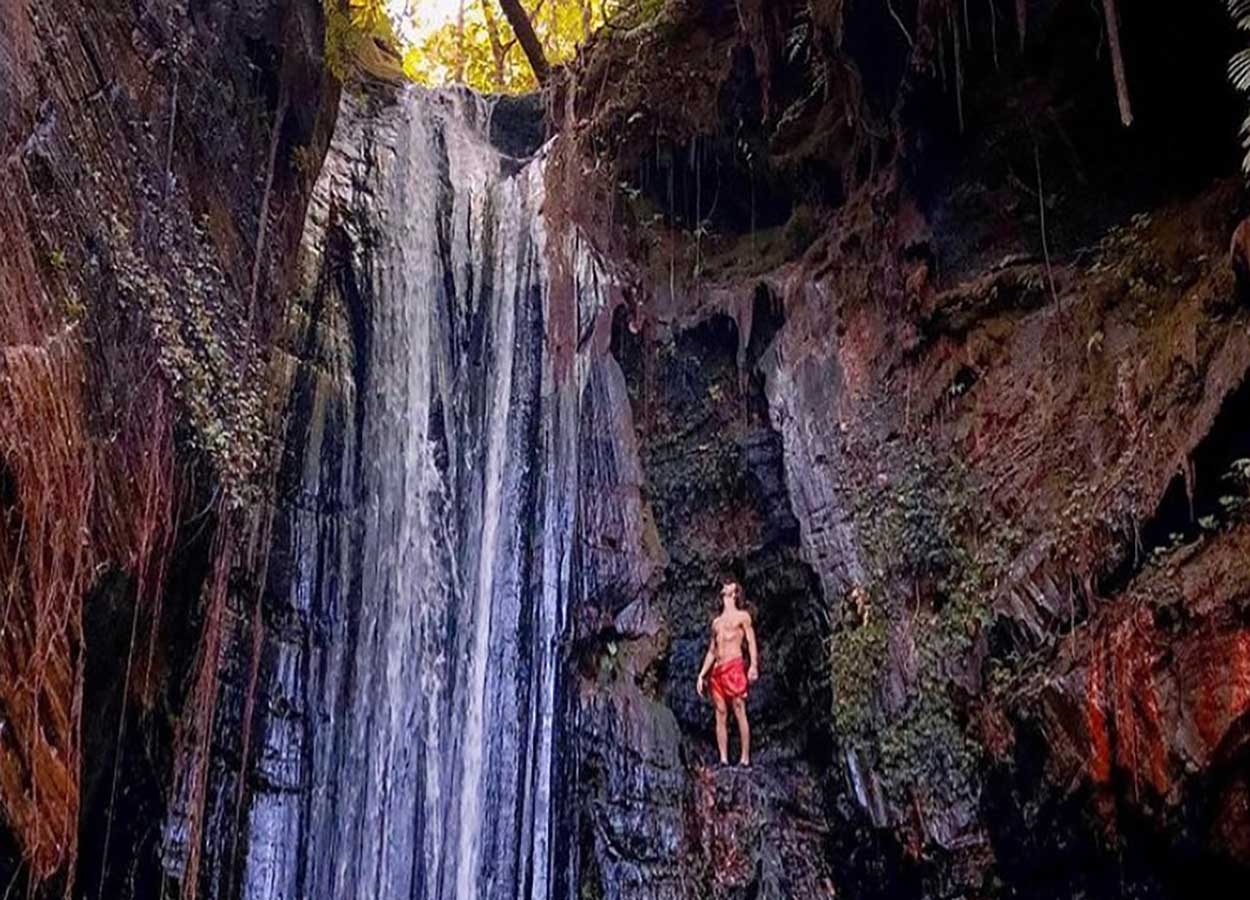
(754, 672)
(708, 659)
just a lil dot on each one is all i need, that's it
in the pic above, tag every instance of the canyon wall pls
(367, 471)
(155, 162)
(995, 339)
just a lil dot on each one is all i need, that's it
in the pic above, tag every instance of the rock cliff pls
(368, 461)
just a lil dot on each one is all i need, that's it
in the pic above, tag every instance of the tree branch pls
(460, 48)
(1117, 63)
(524, 32)
(497, 48)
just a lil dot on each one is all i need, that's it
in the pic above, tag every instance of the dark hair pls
(740, 594)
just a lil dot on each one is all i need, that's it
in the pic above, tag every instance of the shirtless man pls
(730, 675)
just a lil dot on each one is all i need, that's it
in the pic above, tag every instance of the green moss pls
(347, 29)
(916, 530)
(74, 309)
(212, 368)
(926, 746)
(340, 41)
(857, 655)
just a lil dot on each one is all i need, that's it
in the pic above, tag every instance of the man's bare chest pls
(725, 632)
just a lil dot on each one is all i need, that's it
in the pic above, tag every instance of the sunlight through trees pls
(472, 42)
(478, 47)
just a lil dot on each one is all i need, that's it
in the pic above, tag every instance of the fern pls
(1239, 70)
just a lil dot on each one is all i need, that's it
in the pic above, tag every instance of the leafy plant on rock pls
(1239, 69)
(927, 604)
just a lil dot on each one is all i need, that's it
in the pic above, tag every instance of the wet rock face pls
(1087, 685)
(134, 141)
(658, 820)
(1110, 752)
(716, 484)
(1091, 685)
(1001, 424)
(762, 833)
(637, 791)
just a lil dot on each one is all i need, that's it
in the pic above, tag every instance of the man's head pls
(730, 592)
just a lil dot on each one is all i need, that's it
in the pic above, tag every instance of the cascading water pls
(413, 687)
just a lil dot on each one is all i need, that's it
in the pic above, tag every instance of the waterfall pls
(410, 736)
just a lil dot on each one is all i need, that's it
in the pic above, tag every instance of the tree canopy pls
(470, 42)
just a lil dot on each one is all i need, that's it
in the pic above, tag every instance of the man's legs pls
(722, 727)
(744, 729)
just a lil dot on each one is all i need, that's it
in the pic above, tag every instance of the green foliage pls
(57, 260)
(802, 228)
(349, 24)
(1175, 541)
(74, 310)
(1239, 69)
(855, 661)
(588, 888)
(926, 746)
(1233, 504)
(915, 532)
(476, 46)
(481, 50)
(609, 661)
(202, 357)
(1238, 479)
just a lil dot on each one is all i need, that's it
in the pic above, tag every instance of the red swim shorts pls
(729, 680)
